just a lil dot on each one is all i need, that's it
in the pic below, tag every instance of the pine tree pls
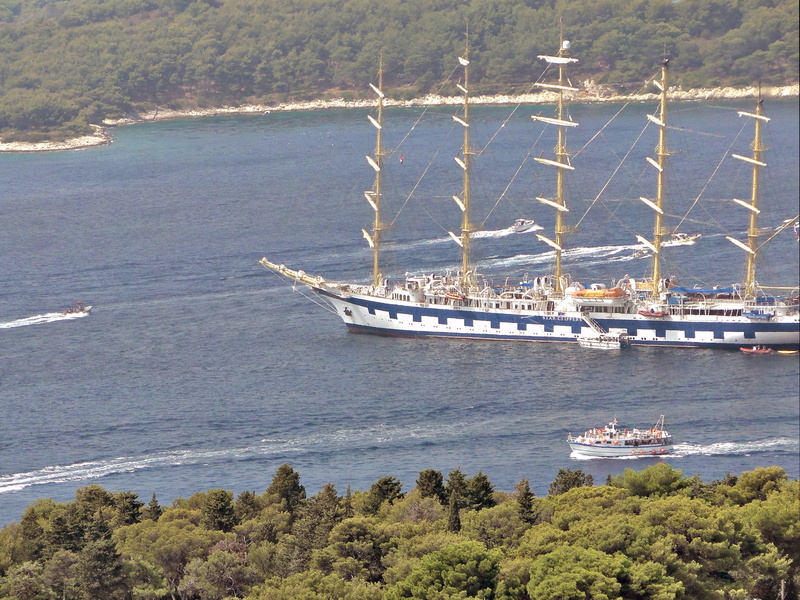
(218, 511)
(457, 485)
(153, 509)
(480, 492)
(453, 518)
(347, 503)
(525, 501)
(566, 479)
(247, 506)
(386, 489)
(431, 485)
(286, 485)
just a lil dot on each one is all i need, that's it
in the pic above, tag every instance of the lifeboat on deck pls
(652, 312)
(599, 295)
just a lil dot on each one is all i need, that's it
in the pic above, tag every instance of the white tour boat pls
(615, 442)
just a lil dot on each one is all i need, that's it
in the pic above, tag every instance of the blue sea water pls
(199, 369)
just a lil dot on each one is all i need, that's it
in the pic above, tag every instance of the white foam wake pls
(738, 448)
(40, 319)
(338, 439)
(103, 468)
(499, 233)
(686, 449)
(603, 253)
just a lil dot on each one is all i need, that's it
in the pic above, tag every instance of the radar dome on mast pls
(565, 45)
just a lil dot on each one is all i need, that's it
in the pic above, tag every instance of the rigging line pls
(624, 106)
(619, 166)
(708, 182)
(513, 111)
(293, 285)
(781, 229)
(600, 131)
(511, 181)
(527, 156)
(424, 112)
(414, 126)
(685, 130)
(416, 185)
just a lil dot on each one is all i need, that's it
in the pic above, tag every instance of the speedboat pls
(79, 308)
(523, 225)
(681, 239)
(613, 441)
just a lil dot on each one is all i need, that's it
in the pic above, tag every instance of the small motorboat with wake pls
(681, 239)
(613, 442)
(79, 308)
(523, 225)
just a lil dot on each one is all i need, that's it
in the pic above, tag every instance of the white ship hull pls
(369, 314)
(611, 451)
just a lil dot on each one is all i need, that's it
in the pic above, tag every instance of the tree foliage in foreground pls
(645, 535)
(66, 64)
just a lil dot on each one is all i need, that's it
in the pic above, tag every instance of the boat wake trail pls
(268, 448)
(499, 233)
(40, 319)
(595, 254)
(486, 234)
(787, 445)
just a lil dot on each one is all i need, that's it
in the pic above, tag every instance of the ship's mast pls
(374, 195)
(562, 157)
(467, 227)
(662, 154)
(752, 231)
(660, 165)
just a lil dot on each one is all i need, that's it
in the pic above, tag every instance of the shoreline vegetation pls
(651, 534)
(591, 93)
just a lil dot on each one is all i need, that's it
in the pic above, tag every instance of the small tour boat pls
(757, 350)
(615, 442)
(77, 309)
(604, 341)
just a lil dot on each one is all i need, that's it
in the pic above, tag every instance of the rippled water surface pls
(199, 369)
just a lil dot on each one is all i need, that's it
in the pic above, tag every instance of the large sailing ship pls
(551, 307)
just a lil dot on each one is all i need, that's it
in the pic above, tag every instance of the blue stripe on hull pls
(403, 333)
(455, 335)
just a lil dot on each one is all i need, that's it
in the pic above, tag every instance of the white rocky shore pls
(590, 92)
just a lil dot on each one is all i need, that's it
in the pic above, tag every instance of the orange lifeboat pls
(602, 293)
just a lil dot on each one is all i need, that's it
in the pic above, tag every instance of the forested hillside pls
(67, 63)
(647, 535)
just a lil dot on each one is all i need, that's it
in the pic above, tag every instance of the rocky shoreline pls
(589, 93)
